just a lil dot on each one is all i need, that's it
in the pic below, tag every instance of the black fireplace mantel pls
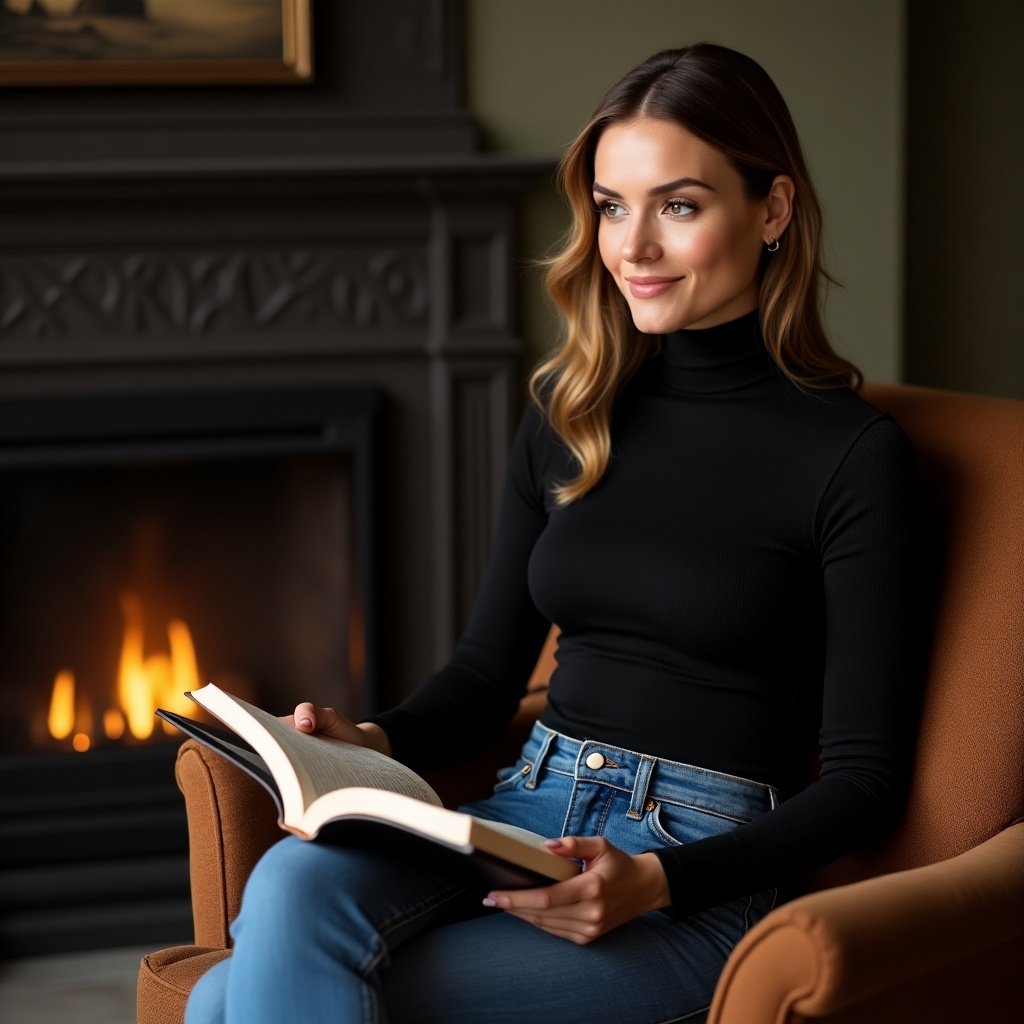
(164, 243)
(396, 271)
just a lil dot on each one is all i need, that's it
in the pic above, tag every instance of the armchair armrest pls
(824, 954)
(231, 822)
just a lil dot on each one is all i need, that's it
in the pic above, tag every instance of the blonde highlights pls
(727, 100)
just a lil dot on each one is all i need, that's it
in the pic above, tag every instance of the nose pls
(641, 243)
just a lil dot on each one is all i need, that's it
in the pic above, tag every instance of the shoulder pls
(872, 480)
(853, 455)
(863, 431)
(536, 457)
(838, 410)
(533, 436)
(838, 422)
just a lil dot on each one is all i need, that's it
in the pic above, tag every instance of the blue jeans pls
(332, 934)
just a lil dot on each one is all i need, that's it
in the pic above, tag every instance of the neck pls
(726, 357)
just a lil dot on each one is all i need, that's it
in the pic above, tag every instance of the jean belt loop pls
(542, 754)
(640, 784)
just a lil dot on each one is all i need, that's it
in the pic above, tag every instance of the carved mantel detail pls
(265, 291)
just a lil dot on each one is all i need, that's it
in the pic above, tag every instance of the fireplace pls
(153, 542)
(258, 376)
(271, 355)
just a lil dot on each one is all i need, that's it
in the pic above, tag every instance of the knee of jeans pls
(208, 996)
(287, 880)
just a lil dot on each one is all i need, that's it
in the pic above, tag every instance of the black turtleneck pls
(738, 589)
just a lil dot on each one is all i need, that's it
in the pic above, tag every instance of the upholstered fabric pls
(226, 837)
(933, 926)
(166, 979)
(967, 781)
(853, 953)
(935, 941)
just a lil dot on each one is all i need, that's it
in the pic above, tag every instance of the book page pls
(331, 764)
(320, 764)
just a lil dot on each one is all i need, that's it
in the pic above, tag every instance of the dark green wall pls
(910, 112)
(965, 196)
(536, 69)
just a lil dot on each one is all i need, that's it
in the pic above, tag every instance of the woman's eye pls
(609, 209)
(680, 207)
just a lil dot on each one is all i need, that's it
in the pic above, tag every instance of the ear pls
(778, 207)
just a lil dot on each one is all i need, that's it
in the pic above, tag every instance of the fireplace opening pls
(152, 544)
(137, 583)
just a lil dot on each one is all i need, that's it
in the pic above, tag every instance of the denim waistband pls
(645, 776)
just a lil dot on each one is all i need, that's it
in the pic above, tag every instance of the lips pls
(650, 287)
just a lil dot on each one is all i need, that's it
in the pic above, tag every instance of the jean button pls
(595, 760)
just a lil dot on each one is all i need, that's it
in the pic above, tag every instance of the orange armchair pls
(926, 926)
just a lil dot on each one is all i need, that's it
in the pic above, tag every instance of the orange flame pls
(143, 684)
(61, 719)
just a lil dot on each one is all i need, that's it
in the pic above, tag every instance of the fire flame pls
(61, 720)
(143, 684)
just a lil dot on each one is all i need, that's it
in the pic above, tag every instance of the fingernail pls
(306, 723)
(488, 902)
(553, 844)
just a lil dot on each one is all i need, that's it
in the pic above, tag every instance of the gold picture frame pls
(155, 42)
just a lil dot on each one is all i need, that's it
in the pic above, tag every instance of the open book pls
(339, 792)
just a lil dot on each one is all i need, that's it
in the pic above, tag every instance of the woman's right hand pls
(311, 719)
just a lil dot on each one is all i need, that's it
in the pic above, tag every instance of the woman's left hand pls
(613, 889)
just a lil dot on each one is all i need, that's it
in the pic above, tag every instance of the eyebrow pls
(658, 190)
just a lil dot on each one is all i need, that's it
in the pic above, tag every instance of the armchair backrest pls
(968, 777)
(968, 780)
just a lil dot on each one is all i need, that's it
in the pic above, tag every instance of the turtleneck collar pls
(726, 357)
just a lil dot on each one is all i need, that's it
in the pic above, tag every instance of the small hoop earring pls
(773, 245)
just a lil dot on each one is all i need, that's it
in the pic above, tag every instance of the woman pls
(722, 530)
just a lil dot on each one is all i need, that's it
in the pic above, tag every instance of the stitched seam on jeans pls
(604, 815)
(653, 793)
(698, 807)
(686, 1016)
(746, 914)
(370, 1014)
(570, 809)
(391, 926)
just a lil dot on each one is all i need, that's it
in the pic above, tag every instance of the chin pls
(654, 322)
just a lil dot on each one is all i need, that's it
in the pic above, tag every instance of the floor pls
(84, 988)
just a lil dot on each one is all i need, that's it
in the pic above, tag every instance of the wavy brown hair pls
(728, 100)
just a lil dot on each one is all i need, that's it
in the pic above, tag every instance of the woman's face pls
(676, 231)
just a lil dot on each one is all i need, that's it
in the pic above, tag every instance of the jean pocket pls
(678, 824)
(513, 775)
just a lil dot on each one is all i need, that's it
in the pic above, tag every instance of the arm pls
(866, 529)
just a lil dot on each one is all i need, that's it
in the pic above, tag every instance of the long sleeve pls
(866, 526)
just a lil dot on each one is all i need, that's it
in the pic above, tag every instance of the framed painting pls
(154, 42)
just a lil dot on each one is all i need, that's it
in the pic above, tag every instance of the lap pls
(430, 951)
(501, 969)
(444, 958)
(311, 892)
